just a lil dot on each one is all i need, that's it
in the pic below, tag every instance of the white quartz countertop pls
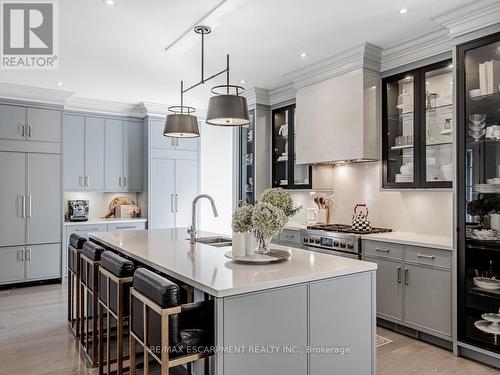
(206, 268)
(105, 221)
(415, 239)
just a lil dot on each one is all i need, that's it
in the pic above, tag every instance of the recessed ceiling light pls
(303, 55)
(59, 83)
(243, 81)
(109, 2)
(403, 11)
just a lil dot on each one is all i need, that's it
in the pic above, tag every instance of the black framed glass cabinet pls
(478, 192)
(246, 185)
(417, 142)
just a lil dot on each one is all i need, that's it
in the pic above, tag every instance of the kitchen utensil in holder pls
(322, 217)
(360, 222)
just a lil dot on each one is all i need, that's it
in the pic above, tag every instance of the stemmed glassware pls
(477, 123)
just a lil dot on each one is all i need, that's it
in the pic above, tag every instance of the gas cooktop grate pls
(343, 228)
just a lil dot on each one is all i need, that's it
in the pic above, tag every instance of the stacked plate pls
(486, 283)
(404, 177)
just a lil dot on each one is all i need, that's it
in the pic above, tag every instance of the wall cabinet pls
(158, 140)
(30, 124)
(413, 285)
(417, 142)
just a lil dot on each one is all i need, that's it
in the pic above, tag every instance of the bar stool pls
(115, 280)
(89, 294)
(171, 333)
(75, 247)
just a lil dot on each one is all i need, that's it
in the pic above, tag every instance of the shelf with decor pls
(418, 128)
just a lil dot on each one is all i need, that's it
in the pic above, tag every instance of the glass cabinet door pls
(399, 138)
(438, 116)
(247, 169)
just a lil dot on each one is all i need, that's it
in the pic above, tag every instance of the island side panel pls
(276, 317)
(342, 312)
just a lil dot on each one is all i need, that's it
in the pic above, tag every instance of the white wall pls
(98, 201)
(429, 212)
(216, 177)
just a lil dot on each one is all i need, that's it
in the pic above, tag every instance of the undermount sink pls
(215, 241)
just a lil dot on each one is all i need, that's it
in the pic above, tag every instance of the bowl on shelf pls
(486, 283)
(484, 234)
(494, 320)
(475, 93)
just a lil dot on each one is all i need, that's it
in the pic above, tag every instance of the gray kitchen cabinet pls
(389, 288)
(94, 153)
(290, 237)
(44, 125)
(114, 155)
(12, 122)
(353, 319)
(158, 140)
(44, 198)
(162, 194)
(43, 261)
(186, 188)
(427, 298)
(12, 264)
(132, 158)
(13, 198)
(74, 152)
(188, 144)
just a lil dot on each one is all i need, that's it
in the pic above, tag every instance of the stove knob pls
(317, 241)
(342, 245)
(305, 239)
(350, 245)
(311, 240)
(335, 243)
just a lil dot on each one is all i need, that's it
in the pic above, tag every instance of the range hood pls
(338, 115)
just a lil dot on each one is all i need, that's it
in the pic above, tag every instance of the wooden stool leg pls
(70, 299)
(132, 350)
(82, 312)
(101, 338)
(94, 327)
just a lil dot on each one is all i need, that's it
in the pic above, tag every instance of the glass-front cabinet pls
(418, 128)
(478, 193)
(285, 172)
(246, 163)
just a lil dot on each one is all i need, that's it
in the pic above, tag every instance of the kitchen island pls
(311, 314)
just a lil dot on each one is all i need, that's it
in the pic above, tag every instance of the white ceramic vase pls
(239, 244)
(250, 244)
(495, 222)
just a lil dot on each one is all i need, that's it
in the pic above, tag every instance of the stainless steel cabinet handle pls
(171, 203)
(22, 130)
(80, 181)
(20, 255)
(28, 254)
(382, 250)
(126, 227)
(176, 203)
(120, 181)
(29, 131)
(406, 276)
(29, 205)
(23, 208)
(425, 256)
(87, 181)
(399, 275)
(176, 142)
(125, 181)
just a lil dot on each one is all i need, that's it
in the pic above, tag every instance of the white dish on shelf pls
(487, 188)
(475, 93)
(485, 326)
(486, 283)
(446, 131)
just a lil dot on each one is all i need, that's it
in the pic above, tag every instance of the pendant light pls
(226, 108)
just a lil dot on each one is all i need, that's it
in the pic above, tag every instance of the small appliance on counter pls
(78, 210)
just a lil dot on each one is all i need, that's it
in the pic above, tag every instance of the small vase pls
(250, 243)
(239, 244)
(262, 245)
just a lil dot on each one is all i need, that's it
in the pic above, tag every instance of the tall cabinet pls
(30, 166)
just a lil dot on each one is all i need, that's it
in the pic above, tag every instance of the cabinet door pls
(45, 125)
(94, 153)
(427, 298)
(113, 161)
(12, 264)
(189, 144)
(12, 120)
(12, 194)
(73, 152)
(162, 192)
(186, 188)
(132, 156)
(44, 261)
(158, 140)
(44, 198)
(389, 288)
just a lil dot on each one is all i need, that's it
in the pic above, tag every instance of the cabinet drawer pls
(126, 226)
(290, 236)
(86, 228)
(383, 249)
(429, 256)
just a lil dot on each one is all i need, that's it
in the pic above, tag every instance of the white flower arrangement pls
(281, 199)
(267, 219)
(242, 219)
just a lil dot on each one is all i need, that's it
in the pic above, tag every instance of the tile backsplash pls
(98, 201)
(429, 212)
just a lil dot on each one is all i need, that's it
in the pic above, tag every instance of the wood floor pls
(35, 340)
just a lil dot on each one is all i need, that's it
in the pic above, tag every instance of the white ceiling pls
(117, 52)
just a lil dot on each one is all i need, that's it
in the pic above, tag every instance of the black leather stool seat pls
(76, 240)
(92, 251)
(184, 331)
(118, 266)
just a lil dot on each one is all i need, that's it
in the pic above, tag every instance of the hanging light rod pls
(224, 109)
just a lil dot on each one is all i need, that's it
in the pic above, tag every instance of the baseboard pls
(30, 283)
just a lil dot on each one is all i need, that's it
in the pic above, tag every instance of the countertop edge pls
(410, 242)
(104, 221)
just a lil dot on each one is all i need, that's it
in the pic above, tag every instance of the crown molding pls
(281, 94)
(416, 49)
(34, 94)
(256, 95)
(103, 106)
(470, 18)
(365, 56)
(151, 109)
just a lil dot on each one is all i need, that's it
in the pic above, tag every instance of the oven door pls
(334, 252)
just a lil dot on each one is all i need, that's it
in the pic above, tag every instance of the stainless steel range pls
(337, 239)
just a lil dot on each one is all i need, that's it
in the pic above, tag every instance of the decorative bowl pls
(486, 283)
